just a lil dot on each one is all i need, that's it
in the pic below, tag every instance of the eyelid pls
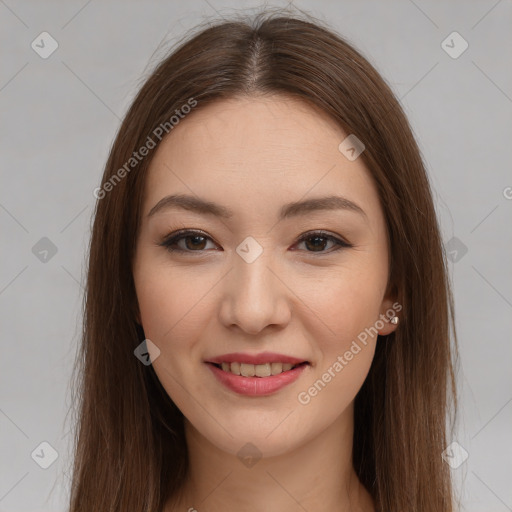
(337, 239)
(176, 236)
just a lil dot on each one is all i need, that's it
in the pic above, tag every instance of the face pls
(251, 276)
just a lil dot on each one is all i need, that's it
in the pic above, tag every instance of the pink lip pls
(256, 386)
(262, 358)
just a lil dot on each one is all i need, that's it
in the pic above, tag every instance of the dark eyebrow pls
(294, 209)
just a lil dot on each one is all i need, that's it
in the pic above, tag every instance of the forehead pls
(237, 129)
(257, 153)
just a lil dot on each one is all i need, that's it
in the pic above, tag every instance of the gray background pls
(60, 115)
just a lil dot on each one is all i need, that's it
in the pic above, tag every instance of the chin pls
(263, 438)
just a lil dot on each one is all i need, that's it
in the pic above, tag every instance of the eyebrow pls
(294, 209)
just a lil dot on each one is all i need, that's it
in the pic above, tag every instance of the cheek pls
(345, 354)
(347, 333)
(170, 303)
(172, 315)
(347, 301)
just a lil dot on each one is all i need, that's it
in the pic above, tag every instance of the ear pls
(390, 308)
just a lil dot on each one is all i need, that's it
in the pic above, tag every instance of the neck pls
(317, 474)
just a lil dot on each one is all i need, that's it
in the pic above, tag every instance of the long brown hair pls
(130, 451)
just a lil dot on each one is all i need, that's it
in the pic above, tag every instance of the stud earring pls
(394, 320)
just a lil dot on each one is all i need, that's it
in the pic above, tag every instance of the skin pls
(252, 155)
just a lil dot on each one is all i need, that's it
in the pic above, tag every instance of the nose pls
(254, 297)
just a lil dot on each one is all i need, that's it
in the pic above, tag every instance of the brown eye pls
(316, 242)
(194, 241)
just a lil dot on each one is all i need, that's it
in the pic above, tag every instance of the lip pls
(256, 386)
(261, 358)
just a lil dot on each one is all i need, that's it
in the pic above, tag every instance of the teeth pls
(263, 370)
(247, 370)
(277, 368)
(258, 370)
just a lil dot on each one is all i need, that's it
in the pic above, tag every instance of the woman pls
(268, 313)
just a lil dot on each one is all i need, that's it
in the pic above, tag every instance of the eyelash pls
(181, 235)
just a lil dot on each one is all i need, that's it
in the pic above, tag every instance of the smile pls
(256, 370)
(256, 379)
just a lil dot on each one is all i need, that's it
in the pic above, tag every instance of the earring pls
(394, 320)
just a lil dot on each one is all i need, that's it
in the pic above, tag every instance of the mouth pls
(256, 375)
(257, 370)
